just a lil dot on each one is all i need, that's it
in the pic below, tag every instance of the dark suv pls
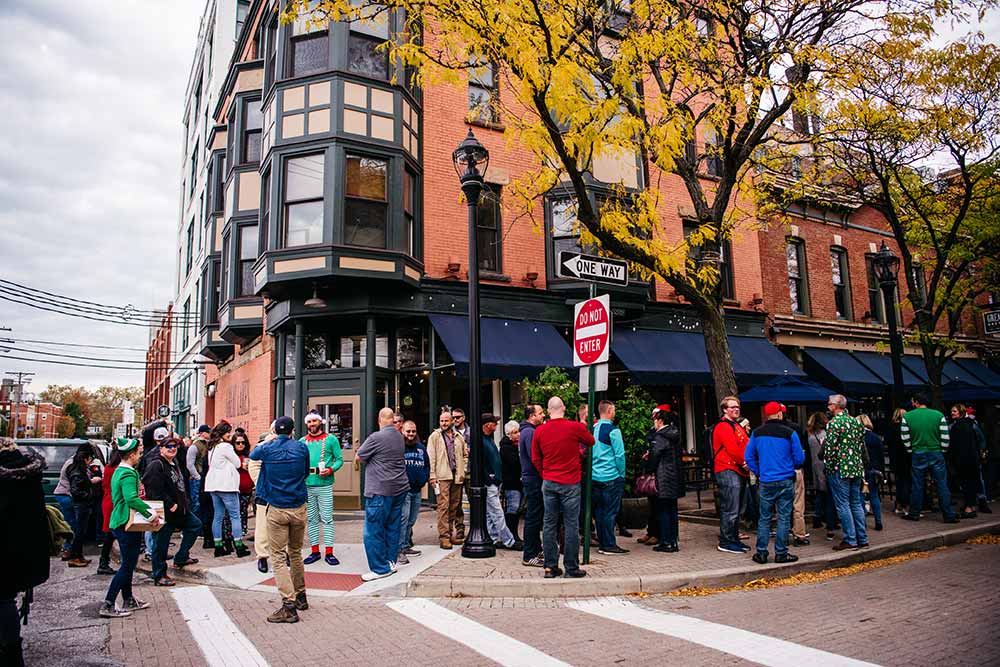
(56, 452)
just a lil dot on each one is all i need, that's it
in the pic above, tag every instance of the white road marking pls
(220, 641)
(750, 646)
(496, 646)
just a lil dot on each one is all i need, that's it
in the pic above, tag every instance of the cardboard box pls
(137, 523)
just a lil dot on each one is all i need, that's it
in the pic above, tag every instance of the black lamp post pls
(886, 265)
(471, 159)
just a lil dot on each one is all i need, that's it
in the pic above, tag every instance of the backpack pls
(708, 451)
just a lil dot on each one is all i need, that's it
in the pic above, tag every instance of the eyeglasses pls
(168, 446)
(733, 407)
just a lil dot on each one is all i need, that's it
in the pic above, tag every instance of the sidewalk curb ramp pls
(431, 586)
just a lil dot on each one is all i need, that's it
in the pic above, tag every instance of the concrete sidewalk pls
(698, 563)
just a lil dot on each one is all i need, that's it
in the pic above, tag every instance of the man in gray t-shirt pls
(386, 486)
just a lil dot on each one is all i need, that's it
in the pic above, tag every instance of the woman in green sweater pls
(124, 498)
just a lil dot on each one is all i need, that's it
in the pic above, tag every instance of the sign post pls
(591, 346)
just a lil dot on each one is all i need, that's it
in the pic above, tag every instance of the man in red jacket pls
(729, 440)
(555, 450)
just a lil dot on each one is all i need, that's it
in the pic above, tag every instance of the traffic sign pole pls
(589, 465)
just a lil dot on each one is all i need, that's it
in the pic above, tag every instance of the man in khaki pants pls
(260, 545)
(447, 451)
(282, 484)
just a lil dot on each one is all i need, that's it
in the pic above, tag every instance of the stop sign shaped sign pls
(592, 331)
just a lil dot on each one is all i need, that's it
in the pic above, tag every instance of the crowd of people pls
(152, 488)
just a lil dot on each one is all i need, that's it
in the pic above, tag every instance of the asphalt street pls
(934, 610)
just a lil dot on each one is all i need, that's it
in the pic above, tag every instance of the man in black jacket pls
(24, 541)
(164, 481)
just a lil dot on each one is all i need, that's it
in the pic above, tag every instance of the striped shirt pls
(924, 430)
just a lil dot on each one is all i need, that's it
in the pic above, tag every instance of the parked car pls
(56, 451)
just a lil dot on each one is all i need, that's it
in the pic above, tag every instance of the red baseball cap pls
(969, 410)
(774, 408)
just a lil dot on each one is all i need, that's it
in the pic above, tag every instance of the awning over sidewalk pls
(844, 370)
(881, 365)
(678, 357)
(511, 349)
(987, 375)
(788, 390)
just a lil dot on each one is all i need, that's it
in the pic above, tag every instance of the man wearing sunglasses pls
(164, 481)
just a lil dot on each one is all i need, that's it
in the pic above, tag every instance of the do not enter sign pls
(592, 331)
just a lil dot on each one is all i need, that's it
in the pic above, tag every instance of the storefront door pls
(343, 419)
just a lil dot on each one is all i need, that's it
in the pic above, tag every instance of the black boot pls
(228, 546)
(512, 521)
(208, 543)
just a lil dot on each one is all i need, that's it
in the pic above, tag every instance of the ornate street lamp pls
(886, 265)
(471, 159)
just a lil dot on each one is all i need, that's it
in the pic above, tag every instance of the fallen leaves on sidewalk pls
(801, 578)
(984, 539)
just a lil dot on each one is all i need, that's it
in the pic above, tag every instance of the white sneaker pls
(392, 566)
(372, 576)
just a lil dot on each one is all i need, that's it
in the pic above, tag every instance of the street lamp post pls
(471, 159)
(886, 264)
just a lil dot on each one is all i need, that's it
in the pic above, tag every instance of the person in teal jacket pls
(608, 477)
(325, 458)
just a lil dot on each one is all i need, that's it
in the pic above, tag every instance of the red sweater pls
(729, 441)
(556, 448)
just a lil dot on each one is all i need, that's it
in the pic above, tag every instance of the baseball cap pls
(969, 410)
(284, 425)
(161, 434)
(204, 428)
(774, 408)
(489, 418)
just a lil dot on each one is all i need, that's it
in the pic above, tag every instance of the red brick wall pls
(244, 393)
(157, 386)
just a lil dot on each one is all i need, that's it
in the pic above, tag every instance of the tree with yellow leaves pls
(690, 89)
(916, 135)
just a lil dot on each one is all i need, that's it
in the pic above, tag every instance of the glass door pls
(342, 415)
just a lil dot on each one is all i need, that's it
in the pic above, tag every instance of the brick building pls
(157, 384)
(34, 420)
(333, 245)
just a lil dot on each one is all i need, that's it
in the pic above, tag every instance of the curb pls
(434, 586)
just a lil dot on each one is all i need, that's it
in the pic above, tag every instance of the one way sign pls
(591, 267)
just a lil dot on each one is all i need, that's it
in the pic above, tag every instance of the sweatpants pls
(319, 510)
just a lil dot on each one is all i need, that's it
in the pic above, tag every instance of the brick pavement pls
(698, 554)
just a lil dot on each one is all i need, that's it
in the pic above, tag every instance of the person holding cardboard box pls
(126, 502)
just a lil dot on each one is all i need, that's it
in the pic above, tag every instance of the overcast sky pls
(92, 95)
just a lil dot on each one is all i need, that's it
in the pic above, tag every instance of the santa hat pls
(662, 407)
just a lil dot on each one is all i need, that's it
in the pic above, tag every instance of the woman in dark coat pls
(84, 487)
(964, 450)
(24, 540)
(900, 460)
(665, 452)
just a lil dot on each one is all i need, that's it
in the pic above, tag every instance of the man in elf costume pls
(325, 459)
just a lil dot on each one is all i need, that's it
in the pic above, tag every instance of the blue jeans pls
(66, 507)
(223, 503)
(873, 495)
(850, 508)
(561, 499)
(161, 543)
(194, 494)
(128, 546)
(730, 487)
(408, 517)
(513, 500)
(933, 461)
(496, 527)
(533, 514)
(383, 516)
(83, 512)
(607, 501)
(778, 495)
(666, 520)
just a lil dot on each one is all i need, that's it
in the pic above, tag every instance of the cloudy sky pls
(90, 156)
(92, 95)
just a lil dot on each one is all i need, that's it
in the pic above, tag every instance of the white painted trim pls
(751, 646)
(496, 646)
(220, 640)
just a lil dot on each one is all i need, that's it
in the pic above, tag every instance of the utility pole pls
(20, 390)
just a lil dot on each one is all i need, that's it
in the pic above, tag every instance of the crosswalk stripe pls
(220, 641)
(494, 645)
(751, 646)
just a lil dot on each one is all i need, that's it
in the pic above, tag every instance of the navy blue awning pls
(984, 373)
(678, 357)
(511, 349)
(881, 365)
(788, 390)
(956, 390)
(844, 371)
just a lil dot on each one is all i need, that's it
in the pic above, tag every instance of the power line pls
(126, 316)
(88, 317)
(117, 361)
(70, 363)
(67, 344)
(129, 307)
